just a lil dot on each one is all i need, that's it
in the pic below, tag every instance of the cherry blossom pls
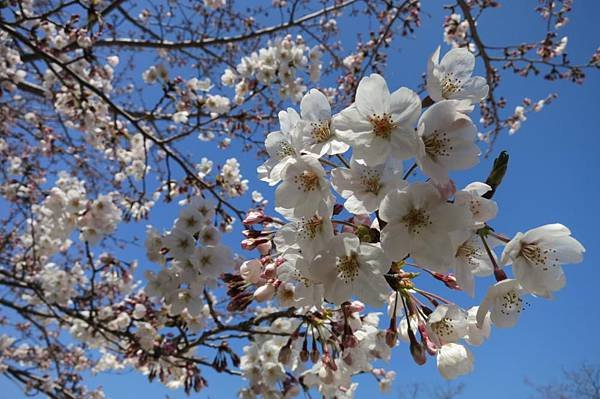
(504, 303)
(419, 223)
(365, 187)
(380, 123)
(350, 268)
(537, 256)
(451, 78)
(446, 140)
(315, 131)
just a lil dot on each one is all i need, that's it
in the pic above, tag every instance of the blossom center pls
(309, 228)
(382, 125)
(468, 253)
(538, 257)
(511, 302)
(371, 181)
(443, 328)
(285, 150)
(321, 131)
(307, 181)
(347, 267)
(450, 85)
(184, 243)
(191, 221)
(372, 185)
(437, 144)
(205, 260)
(416, 220)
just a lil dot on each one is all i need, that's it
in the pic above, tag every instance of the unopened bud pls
(270, 271)
(304, 355)
(416, 349)
(356, 306)
(314, 355)
(448, 279)
(418, 353)
(264, 292)
(251, 271)
(285, 354)
(391, 337)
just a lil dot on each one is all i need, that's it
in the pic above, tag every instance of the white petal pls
(372, 95)
(454, 360)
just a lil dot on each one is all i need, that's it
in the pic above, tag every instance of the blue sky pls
(552, 177)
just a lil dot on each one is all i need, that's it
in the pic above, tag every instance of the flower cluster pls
(66, 208)
(10, 74)
(320, 261)
(279, 63)
(268, 357)
(231, 180)
(192, 256)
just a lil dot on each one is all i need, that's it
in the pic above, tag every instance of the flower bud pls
(391, 337)
(314, 355)
(416, 349)
(304, 355)
(264, 292)
(356, 306)
(285, 354)
(251, 271)
(448, 279)
(270, 271)
(256, 217)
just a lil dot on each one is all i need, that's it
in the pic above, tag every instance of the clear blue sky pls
(552, 177)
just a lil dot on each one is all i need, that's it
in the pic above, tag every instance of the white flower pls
(471, 196)
(296, 270)
(180, 244)
(350, 268)
(203, 206)
(447, 323)
(537, 257)
(315, 131)
(419, 222)
(180, 117)
(454, 360)
(281, 146)
(364, 187)
(471, 259)
(184, 298)
(217, 104)
(379, 123)
(477, 335)
(503, 301)
(304, 189)
(446, 140)
(209, 235)
(190, 220)
(451, 78)
(213, 260)
(307, 234)
(154, 244)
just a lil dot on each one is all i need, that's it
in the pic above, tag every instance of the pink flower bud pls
(356, 306)
(264, 248)
(256, 216)
(447, 279)
(270, 271)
